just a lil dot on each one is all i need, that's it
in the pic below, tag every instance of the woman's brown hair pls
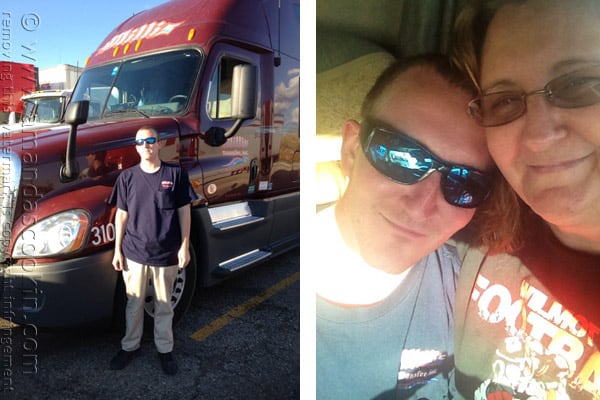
(502, 219)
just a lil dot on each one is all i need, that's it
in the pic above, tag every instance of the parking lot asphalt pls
(240, 339)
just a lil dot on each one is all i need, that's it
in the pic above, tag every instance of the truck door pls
(236, 169)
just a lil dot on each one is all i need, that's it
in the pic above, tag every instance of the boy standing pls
(152, 226)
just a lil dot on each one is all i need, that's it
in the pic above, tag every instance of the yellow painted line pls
(6, 324)
(243, 308)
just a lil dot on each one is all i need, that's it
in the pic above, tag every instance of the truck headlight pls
(58, 234)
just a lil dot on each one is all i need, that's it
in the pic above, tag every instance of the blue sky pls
(47, 33)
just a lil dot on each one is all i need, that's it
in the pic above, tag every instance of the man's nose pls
(423, 197)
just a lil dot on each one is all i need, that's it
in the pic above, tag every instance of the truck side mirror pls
(243, 91)
(76, 114)
(244, 95)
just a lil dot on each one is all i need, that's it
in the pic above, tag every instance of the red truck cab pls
(220, 82)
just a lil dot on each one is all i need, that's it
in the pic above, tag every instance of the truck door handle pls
(253, 170)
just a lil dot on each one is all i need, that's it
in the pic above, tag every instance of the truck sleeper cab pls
(225, 102)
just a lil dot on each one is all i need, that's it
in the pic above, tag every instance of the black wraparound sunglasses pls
(404, 160)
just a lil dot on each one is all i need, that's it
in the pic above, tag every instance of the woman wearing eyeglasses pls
(152, 226)
(528, 304)
(417, 168)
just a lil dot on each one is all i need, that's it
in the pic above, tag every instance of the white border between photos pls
(307, 197)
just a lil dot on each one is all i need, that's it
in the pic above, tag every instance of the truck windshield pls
(159, 84)
(43, 110)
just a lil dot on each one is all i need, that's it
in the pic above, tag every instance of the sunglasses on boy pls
(404, 160)
(580, 88)
(149, 140)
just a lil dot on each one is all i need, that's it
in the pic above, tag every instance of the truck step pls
(245, 260)
(237, 222)
(233, 216)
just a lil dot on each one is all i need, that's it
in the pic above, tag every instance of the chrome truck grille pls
(10, 176)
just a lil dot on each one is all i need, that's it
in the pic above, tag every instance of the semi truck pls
(40, 109)
(219, 81)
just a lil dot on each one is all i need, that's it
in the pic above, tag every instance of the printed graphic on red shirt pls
(548, 353)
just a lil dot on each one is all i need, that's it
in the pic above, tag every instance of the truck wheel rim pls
(176, 294)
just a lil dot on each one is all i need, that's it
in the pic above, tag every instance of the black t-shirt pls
(152, 234)
(572, 276)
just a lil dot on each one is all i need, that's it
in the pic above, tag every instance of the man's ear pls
(350, 145)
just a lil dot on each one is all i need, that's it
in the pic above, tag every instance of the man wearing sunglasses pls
(417, 168)
(152, 225)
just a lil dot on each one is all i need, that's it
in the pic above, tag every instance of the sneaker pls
(168, 364)
(122, 359)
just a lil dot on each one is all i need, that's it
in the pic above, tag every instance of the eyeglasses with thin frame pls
(580, 88)
(406, 161)
(149, 140)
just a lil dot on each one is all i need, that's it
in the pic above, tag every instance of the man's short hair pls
(438, 62)
(151, 129)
